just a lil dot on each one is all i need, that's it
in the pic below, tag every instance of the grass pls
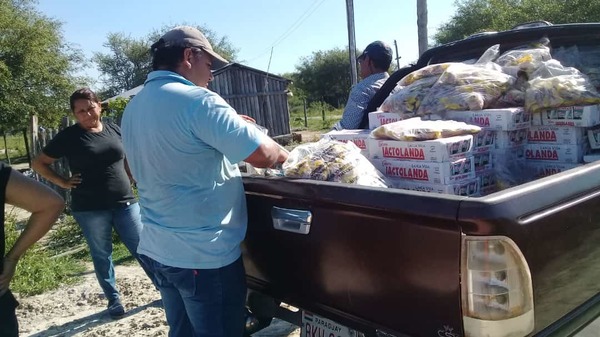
(38, 271)
(57, 259)
(314, 119)
(15, 144)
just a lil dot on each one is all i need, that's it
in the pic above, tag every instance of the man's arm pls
(45, 206)
(267, 154)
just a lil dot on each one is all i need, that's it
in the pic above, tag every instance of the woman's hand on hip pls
(72, 182)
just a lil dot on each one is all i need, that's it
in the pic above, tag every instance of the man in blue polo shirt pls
(182, 142)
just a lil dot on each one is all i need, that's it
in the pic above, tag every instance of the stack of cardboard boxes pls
(557, 139)
(542, 144)
(443, 165)
(504, 134)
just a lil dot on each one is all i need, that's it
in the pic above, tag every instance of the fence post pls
(305, 116)
(33, 131)
(6, 148)
(27, 146)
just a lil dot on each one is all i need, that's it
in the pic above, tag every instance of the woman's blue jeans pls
(202, 302)
(97, 229)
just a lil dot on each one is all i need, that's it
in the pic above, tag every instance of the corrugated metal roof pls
(132, 92)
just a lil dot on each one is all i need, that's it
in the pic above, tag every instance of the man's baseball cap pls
(185, 36)
(378, 50)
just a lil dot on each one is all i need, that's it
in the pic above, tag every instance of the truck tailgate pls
(555, 221)
(374, 258)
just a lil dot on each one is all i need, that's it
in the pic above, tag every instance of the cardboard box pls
(536, 118)
(483, 161)
(555, 134)
(430, 172)
(555, 153)
(582, 116)
(437, 150)
(510, 139)
(484, 141)
(498, 119)
(379, 118)
(358, 137)
(593, 136)
(505, 155)
(540, 169)
(465, 188)
(487, 182)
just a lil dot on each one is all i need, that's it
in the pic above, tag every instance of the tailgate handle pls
(291, 220)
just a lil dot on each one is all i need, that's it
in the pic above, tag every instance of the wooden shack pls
(255, 93)
(258, 94)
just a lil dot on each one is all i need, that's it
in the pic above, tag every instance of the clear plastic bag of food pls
(490, 55)
(432, 70)
(465, 87)
(406, 100)
(525, 58)
(560, 91)
(416, 129)
(515, 95)
(331, 160)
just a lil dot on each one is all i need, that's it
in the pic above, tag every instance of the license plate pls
(317, 326)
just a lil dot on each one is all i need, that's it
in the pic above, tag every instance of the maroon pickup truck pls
(360, 261)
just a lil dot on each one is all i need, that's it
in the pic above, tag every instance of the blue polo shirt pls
(182, 143)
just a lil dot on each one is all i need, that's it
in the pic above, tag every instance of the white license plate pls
(317, 326)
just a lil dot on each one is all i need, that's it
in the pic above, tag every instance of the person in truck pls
(183, 142)
(374, 63)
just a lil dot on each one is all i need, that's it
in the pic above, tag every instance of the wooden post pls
(25, 138)
(33, 131)
(422, 25)
(6, 148)
(305, 115)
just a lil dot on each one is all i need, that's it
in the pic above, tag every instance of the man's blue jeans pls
(97, 229)
(202, 302)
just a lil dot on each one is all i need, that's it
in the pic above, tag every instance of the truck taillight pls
(497, 296)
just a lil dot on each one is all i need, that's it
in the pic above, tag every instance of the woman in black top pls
(100, 183)
(45, 206)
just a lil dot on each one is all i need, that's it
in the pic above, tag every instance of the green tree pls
(116, 107)
(324, 76)
(128, 61)
(125, 66)
(36, 66)
(475, 16)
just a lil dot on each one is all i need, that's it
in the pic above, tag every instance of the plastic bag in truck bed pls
(331, 160)
(433, 70)
(555, 86)
(466, 87)
(526, 58)
(417, 129)
(406, 100)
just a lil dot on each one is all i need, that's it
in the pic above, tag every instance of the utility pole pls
(397, 55)
(351, 41)
(422, 25)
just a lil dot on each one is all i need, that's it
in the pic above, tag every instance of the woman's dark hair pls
(83, 93)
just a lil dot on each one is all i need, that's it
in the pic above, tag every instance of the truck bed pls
(388, 260)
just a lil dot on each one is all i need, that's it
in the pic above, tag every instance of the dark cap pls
(378, 51)
(185, 36)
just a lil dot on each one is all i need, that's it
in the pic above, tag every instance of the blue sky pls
(294, 28)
